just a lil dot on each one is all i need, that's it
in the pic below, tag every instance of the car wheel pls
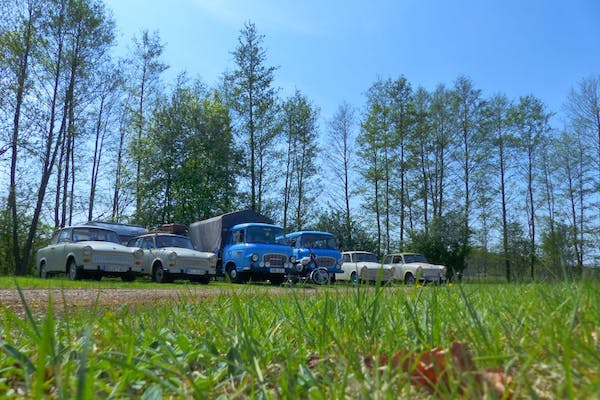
(409, 279)
(320, 276)
(44, 271)
(160, 275)
(74, 272)
(354, 277)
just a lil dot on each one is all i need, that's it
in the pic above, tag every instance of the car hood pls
(426, 266)
(183, 252)
(371, 265)
(101, 245)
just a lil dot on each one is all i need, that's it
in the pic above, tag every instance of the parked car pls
(89, 252)
(363, 266)
(168, 256)
(410, 267)
(317, 255)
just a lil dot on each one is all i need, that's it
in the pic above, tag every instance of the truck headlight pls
(254, 257)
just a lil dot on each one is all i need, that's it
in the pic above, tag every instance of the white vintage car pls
(363, 266)
(412, 267)
(88, 252)
(168, 256)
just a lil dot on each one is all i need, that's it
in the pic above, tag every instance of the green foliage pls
(355, 239)
(190, 166)
(298, 343)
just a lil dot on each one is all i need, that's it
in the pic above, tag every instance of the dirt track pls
(66, 299)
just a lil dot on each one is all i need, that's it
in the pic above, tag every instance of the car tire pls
(354, 277)
(409, 279)
(160, 275)
(44, 274)
(74, 272)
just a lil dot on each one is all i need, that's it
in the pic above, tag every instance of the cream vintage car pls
(412, 267)
(363, 266)
(169, 256)
(88, 252)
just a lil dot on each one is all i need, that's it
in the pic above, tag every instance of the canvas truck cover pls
(209, 234)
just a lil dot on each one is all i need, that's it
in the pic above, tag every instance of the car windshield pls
(365, 257)
(317, 241)
(414, 258)
(101, 235)
(263, 234)
(174, 241)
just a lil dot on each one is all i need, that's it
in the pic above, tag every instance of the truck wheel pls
(160, 275)
(233, 274)
(74, 272)
(409, 279)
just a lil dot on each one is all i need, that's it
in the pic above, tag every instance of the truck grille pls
(275, 259)
(325, 262)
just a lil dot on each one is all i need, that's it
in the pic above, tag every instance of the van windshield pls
(263, 234)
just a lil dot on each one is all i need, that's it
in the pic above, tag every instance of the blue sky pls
(332, 51)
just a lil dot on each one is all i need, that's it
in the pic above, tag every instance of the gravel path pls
(65, 299)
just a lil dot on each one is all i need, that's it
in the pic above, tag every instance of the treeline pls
(475, 182)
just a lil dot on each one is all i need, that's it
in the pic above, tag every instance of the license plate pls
(114, 268)
(194, 271)
(277, 270)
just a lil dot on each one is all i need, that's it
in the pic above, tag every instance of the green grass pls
(307, 343)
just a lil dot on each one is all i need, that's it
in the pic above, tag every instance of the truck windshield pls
(316, 241)
(263, 234)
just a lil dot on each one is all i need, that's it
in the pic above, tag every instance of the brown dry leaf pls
(429, 369)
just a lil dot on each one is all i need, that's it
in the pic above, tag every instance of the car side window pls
(397, 260)
(148, 243)
(346, 258)
(64, 236)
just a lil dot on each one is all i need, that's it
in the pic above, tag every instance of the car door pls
(56, 257)
(149, 252)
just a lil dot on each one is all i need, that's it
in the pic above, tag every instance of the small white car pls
(89, 252)
(412, 267)
(168, 256)
(363, 266)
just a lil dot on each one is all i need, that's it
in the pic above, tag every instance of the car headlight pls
(213, 260)
(87, 251)
(254, 257)
(139, 253)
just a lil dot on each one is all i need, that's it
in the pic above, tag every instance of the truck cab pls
(251, 251)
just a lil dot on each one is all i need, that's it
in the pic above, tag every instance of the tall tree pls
(340, 139)
(467, 113)
(252, 96)
(499, 136)
(300, 129)
(530, 121)
(146, 68)
(189, 168)
(19, 41)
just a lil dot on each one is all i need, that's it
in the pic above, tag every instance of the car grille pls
(325, 262)
(275, 259)
(194, 262)
(121, 259)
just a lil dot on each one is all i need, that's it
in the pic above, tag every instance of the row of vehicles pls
(243, 245)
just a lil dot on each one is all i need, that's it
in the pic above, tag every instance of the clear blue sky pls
(332, 51)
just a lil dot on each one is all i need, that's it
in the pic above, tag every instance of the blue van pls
(318, 256)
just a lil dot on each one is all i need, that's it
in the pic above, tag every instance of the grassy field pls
(455, 341)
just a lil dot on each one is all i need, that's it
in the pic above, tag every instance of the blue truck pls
(246, 246)
(318, 256)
